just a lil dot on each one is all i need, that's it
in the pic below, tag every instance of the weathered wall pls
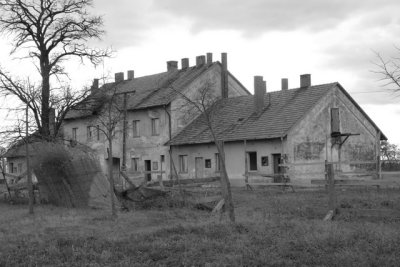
(235, 158)
(144, 147)
(310, 141)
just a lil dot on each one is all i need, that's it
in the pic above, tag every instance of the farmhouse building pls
(297, 127)
(155, 112)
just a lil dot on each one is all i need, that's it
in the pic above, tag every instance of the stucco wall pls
(234, 158)
(310, 141)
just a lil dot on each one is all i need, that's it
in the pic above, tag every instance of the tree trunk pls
(45, 73)
(225, 184)
(110, 177)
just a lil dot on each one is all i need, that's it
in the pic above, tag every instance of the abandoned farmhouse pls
(163, 136)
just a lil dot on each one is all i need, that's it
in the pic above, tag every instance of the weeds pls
(272, 229)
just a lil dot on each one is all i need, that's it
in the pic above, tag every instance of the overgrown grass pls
(273, 229)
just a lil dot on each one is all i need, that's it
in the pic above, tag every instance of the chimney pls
(260, 88)
(95, 85)
(285, 83)
(52, 121)
(172, 65)
(185, 63)
(305, 80)
(119, 77)
(224, 75)
(209, 58)
(200, 60)
(131, 74)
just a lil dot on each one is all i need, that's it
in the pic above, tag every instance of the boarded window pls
(135, 128)
(252, 161)
(89, 133)
(135, 164)
(98, 132)
(74, 134)
(183, 163)
(217, 162)
(19, 167)
(335, 121)
(155, 124)
(155, 165)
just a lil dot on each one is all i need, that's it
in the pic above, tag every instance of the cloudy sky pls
(332, 40)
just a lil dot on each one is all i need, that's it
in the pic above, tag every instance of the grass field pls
(272, 229)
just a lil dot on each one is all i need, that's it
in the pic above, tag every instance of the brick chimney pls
(95, 86)
(209, 58)
(224, 76)
(131, 74)
(119, 77)
(305, 80)
(185, 63)
(285, 83)
(200, 61)
(260, 88)
(172, 65)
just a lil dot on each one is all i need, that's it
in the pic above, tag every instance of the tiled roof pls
(235, 119)
(150, 91)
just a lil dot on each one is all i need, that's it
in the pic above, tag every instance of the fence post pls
(379, 167)
(331, 192)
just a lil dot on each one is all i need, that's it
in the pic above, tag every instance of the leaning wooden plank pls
(219, 206)
(329, 216)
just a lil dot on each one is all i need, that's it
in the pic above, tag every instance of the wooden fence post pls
(331, 193)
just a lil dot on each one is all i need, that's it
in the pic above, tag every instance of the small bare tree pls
(204, 103)
(50, 31)
(107, 120)
(389, 70)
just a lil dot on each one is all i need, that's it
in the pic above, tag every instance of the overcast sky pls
(332, 40)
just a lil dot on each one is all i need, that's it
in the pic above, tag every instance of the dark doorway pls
(252, 159)
(147, 168)
(278, 178)
(277, 161)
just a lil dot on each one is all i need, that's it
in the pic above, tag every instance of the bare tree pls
(50, 31)
(204, 103)
(389, 70)
(108, 120)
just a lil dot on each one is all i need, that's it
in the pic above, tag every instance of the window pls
(207, 163)
(74, 133)
(155, 165)
(135, 128)
(183, 163)
(155, 123)
(264, 161)
(335, 121)
(217, 162)
(98, 132)
(19, 167)
(162, 158)
(252, 160)
(11, 167)
(135, 164)
(89, 133)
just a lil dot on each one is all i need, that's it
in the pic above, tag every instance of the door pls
(277, 168)
(147, 168)
(199, 165)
